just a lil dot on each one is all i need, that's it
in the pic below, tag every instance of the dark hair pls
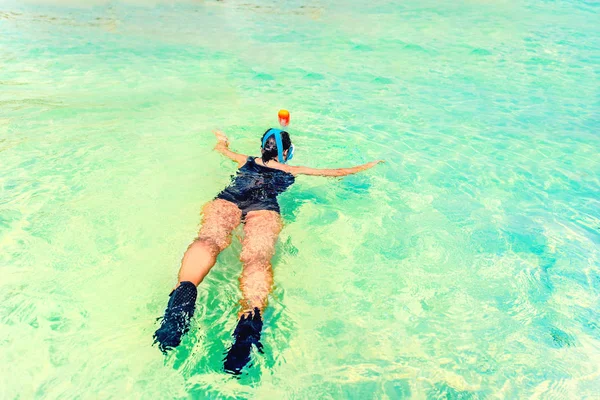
(270, 150)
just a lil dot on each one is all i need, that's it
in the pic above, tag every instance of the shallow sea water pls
(465, 267)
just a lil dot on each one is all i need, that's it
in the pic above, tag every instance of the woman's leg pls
(261, 231)
(220, 217)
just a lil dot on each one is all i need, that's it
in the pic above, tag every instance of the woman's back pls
(256, 187)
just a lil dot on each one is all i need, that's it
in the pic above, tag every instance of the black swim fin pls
(247, 333)
(176, 321)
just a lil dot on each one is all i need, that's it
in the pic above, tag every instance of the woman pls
(251, 198)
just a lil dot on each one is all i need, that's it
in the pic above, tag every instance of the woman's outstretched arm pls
(222, 147)
(332, 172)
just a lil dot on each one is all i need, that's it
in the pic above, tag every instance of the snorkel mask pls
(276, 133)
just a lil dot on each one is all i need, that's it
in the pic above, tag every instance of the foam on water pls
(467, 266)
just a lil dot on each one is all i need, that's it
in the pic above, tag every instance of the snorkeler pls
(251, 198)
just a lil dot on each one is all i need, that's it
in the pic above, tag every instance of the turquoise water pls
(465, 267)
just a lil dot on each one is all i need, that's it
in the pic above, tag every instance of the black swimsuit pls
(255, 187)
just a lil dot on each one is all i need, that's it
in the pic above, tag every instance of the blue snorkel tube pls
(277, 134)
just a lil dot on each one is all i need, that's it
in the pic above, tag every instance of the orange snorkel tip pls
(284, 117)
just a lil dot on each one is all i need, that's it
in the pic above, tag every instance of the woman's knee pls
(261, 271)
(257, 255)
(207, 244)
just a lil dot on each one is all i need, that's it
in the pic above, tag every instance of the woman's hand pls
(373, 163)
(222, 140)
(222, 147)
